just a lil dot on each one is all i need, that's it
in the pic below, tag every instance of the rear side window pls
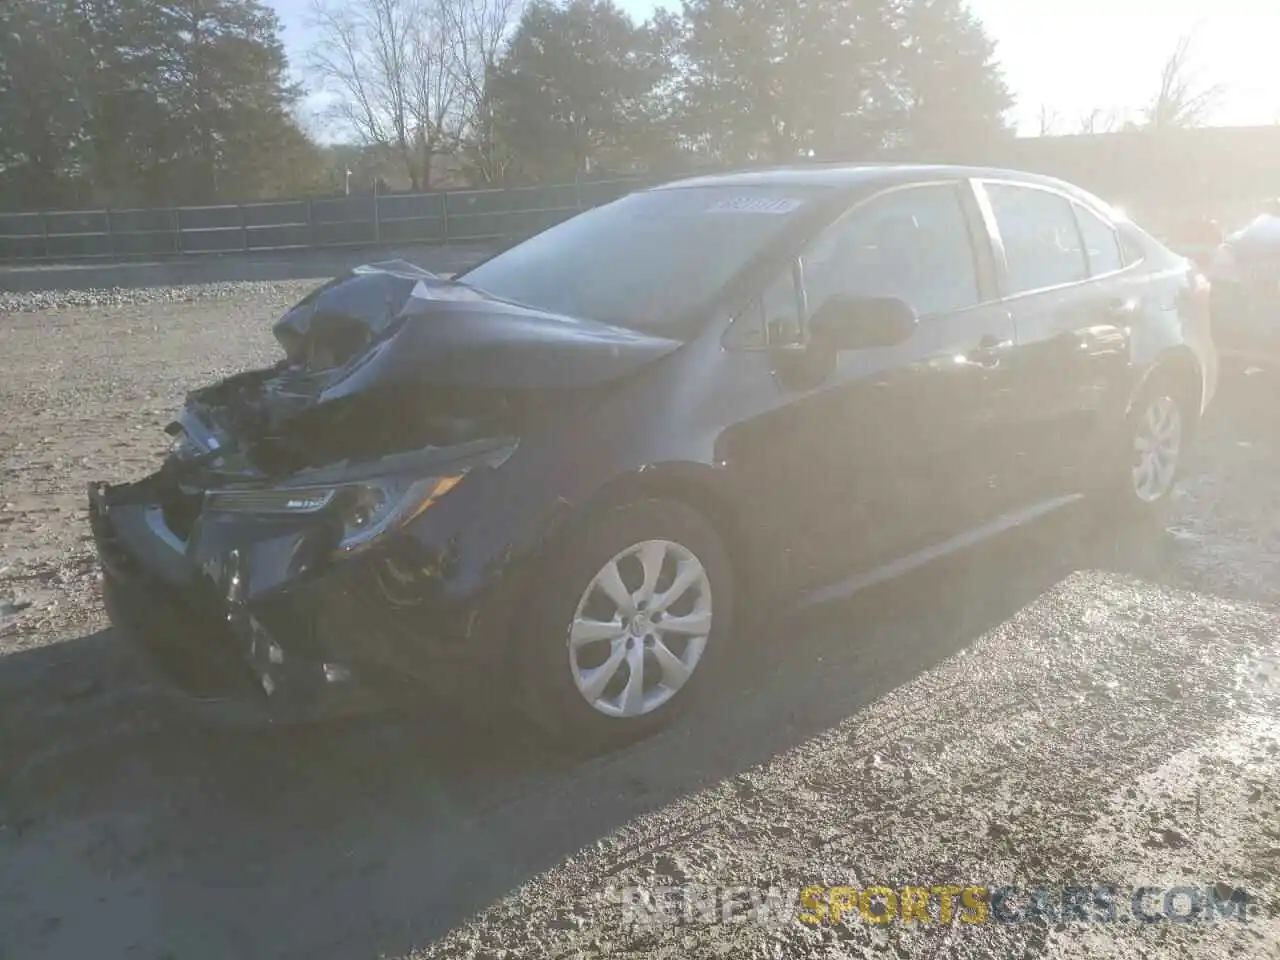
(1101, 243)
(1041, 243)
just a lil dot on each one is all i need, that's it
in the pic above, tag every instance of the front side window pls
(1041, 243)
(1101, 243)
(912, 244)
(648, 261)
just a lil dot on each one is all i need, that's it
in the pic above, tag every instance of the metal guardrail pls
(460, 216)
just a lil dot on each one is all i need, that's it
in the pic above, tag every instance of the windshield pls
(646, 261)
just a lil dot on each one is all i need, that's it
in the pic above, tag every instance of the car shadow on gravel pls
(129, 825)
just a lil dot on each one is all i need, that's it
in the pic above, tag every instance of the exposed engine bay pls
(265, 423)
(390, 358)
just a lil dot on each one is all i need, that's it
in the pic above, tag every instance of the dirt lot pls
(1051, 709)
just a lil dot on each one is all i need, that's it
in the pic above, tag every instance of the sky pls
(1070, 57)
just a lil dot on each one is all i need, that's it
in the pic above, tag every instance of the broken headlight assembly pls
(366, 509)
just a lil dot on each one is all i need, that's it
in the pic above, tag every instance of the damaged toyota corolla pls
(559, 474)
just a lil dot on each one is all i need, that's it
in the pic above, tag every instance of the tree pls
(479, 29)
(145, 101)
(229, 104)
(409, 75)
(837, 78)
(571, 91)
(953, 94)
(385, 60)
(782, 80)
(1182, 100)
(42, 109)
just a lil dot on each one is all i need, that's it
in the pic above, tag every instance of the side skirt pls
(845, 589)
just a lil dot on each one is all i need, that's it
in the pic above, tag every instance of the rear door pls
(1072, 302)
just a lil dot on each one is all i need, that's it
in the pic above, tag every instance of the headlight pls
(366, 510)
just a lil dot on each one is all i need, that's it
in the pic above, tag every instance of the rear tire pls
(627, 626)
(1153, 449)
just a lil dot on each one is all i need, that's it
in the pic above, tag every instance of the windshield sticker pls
(775, 205)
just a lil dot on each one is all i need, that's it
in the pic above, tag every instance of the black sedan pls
(559, 475)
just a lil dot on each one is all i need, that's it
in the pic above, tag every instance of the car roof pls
(854, 175)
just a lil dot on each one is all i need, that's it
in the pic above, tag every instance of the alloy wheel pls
(1157, 445)
(640, 628)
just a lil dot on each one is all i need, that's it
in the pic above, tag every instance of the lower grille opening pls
(181, 512)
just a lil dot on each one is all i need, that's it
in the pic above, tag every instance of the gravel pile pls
(284, 292)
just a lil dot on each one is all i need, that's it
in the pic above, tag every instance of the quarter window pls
(1133, 251)
(773, 318)
(1101, 243)
(912, 244)
(1041, 242)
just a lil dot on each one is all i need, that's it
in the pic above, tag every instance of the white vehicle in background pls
(1245, 274)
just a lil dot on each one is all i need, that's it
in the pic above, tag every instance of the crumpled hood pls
(393, 321)
(390, 358)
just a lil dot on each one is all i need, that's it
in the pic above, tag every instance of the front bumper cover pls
(203, 645)
(303, 648)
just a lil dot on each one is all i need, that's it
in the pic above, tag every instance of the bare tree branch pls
(479, 29)
(390, 64)
(1048, 119)
(1098, 120)
(1182, 101)
(409, 76)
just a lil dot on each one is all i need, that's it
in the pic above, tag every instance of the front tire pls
(633, 613)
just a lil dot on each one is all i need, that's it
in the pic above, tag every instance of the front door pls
(880, 452)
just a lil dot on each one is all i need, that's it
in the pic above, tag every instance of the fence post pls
(175, 221)
(577, 194)
(377, 217)
(111, 236)
(311, 225)
(244, 227)
(444, 214)
(44, 233)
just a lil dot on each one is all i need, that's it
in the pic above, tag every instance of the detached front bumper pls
(202, 641)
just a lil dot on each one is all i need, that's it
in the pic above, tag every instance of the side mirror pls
(860, 323)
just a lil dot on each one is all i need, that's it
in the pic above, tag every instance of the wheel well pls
(1180, 369)
(697, 492)
(677, 484)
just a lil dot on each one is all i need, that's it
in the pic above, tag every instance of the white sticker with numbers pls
(775, 205)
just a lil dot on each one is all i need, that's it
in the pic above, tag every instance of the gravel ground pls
(1052, 709)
